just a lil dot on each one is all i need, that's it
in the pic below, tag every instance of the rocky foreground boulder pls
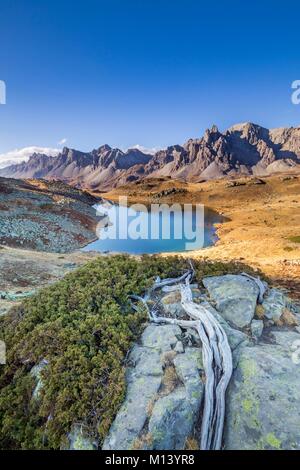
(164, 393)
(263, 397)
(235, 298)
(165, 379)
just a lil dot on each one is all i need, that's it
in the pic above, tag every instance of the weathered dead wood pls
(217, 360)
(260, 285)
(216, 352)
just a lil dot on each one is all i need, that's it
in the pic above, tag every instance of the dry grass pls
(170, 380)
(191, 444)
(167, 358)
(259, 312)
(172, 298)
(287, 319)
(145, 441)
(150, 405)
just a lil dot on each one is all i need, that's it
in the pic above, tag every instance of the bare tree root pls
(217, 357)
(260, 285)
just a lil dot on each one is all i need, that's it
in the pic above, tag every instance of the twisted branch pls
(217, 357)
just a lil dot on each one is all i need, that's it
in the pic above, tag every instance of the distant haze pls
(22, 155)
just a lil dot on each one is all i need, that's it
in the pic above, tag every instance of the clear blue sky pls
(144, 71)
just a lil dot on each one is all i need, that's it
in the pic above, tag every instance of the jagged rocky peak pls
(38, 157)
(211, 135)
(250, 131)
(118, 159)
(133, 157)
(107, 155)
(244, 127)
(71, 153)
(102, 149)
(287, 136)
(100, 153)
(245, 148)
(75, 157)
(174, 149)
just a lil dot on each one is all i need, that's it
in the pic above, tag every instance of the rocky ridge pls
(244, 149)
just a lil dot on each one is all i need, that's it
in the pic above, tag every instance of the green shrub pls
(295, 239)
(84, 327)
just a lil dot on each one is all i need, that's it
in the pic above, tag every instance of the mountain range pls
(243, 149)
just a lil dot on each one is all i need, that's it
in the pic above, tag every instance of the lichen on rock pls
(235, 297)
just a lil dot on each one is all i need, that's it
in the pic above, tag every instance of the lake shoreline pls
(256, 231)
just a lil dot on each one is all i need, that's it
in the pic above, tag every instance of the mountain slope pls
(45, 216)
(241, 150)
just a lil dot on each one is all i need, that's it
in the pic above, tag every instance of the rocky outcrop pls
(165, 374)
(257, 327)
(235, 297)
(274, 305)
(164, 393)
(45, 216)
(174, 416)
(78, 439)
(263, 397)
(172, 305)
(243, 149)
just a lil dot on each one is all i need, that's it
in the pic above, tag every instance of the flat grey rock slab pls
(143, 378)
(235, 337)
(174, 416)
(142, 362)
(188, 367)
(161, 337)
(262, 406)
(167, 420)
(235, 297)
(143, 382)
(171, 421)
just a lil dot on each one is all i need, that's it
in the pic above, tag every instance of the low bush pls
(295, 239)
